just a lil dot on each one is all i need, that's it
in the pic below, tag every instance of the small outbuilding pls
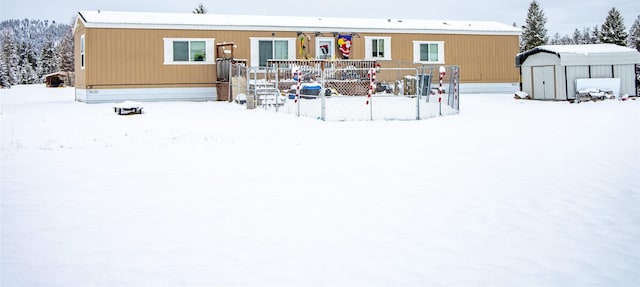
(56, 79)
(550, 72)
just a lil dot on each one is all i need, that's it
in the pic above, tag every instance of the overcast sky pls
(562, 16)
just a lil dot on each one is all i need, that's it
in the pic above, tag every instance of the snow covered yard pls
(508, 193)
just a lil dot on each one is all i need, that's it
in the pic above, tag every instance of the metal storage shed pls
(549, 72)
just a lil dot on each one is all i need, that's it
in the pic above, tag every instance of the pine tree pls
(613, 30)
(595, 35)
(64, 52)
(534, 32)
(555, 40)
(586, 35)
(4, 73)
(47, 61)
(5, 46)
(27, 64)
(578, 38)
(634, 34)
(10, 57)
(200, 9)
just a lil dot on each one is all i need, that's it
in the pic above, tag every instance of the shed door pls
(544, 83)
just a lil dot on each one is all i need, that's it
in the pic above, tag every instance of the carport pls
(550, 72)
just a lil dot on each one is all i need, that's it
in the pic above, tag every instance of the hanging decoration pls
(324, 50)
(344, 45)
(302, 45)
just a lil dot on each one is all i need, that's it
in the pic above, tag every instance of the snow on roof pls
(111, 19)
(594, 54)
(585, 49)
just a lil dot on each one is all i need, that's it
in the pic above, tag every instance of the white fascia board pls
(293, 29)
(573, 59)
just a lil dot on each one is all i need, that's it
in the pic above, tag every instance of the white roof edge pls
(75, 23)
(294, 29)
(588, 54)
(189, 21)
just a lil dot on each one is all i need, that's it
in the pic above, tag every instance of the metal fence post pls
(276, 71)
(419, 75)
(323, 92)
(298, 87)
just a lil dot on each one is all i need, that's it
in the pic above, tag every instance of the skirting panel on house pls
(145, 94)
(489, 88)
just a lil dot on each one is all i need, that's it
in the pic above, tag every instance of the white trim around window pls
(382, 50)
(255, 48)
(194, 50)
(434, 52)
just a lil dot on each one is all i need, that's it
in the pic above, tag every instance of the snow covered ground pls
(507, 193)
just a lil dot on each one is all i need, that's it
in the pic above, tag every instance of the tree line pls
(611, 31)
(31, 49)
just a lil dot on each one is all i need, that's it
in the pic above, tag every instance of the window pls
(377, 48)
(276, 49)
(325, 48)
(82, 51)
(263, 49)
(188, 51)
(428, 52)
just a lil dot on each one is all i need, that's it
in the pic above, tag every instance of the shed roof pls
(111, 19)
(592, 54)
(58, 73)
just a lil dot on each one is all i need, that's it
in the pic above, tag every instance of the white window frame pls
(82, 51)
(416, 52)
(255, 48)
(209, 51)
(332, 47)
(368, 48)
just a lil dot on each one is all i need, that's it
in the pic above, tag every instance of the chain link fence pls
(347, 90)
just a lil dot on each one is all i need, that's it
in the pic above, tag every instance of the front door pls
(544, 82)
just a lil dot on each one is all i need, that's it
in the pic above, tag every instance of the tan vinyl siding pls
(126, 58)
(482, 58)
(80, 74)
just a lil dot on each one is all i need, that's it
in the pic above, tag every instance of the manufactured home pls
(551, 72)
(170, 56)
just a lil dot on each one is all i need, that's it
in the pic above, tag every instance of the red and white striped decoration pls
(443, 71)
(372, 83)
(298, 87)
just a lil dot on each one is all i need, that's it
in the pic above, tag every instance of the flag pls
(344, 45)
